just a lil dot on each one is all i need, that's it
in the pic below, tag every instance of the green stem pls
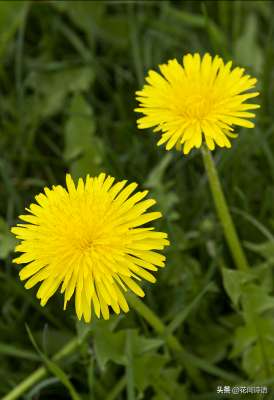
(223, 212)
(231, 238)
(118, 388)
(191, 363)
(41, 372)
(26, 384)
(171, 340)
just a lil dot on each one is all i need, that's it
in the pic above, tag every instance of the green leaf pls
(53, 339)
(52, 87)
(263, 273)
(167, 385)
(217, 36)
(54, 369)
(233, 282)
(85, 15)
(255, 340)
(156, 175)
(129, 366)
(143, 344)
(213, 340)
(244, 337)
(247, 50)
(83, 149)
(14, 351)
(147, 368)
(254, 365)
(82, 329)
(182, 17)
(7, 240)
(256, 299)
(12, 14)
(266, 249)
(109, 346)
(183, 314)
(166, 198)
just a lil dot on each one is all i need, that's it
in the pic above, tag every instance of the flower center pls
(81, 239)
(85, 244)
(196, 106)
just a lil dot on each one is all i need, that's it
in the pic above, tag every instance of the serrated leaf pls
(233, 281)
(143, 344)
(254, 365)
(255, 341)
(256, 299)
(52, 87)
(110, 346)
(263, 273)
(244, 337)
(148, 367)
(169, 378)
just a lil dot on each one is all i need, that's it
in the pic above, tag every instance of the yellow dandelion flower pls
(203, 98)
(89, 240)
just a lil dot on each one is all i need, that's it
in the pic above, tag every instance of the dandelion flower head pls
(198, 101)
(89, 239)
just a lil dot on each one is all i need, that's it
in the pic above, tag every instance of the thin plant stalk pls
(223, 212)
(230, 234)
(74, 344)
(42, 372)
(191, 363)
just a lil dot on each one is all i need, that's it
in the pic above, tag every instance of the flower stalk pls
(75, 343)
(223, 212)
(42, 372)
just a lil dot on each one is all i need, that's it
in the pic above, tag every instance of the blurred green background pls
(68, 73)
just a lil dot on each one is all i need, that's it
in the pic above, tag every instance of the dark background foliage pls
(68, 73)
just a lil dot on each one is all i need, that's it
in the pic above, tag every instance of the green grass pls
(68, 73)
